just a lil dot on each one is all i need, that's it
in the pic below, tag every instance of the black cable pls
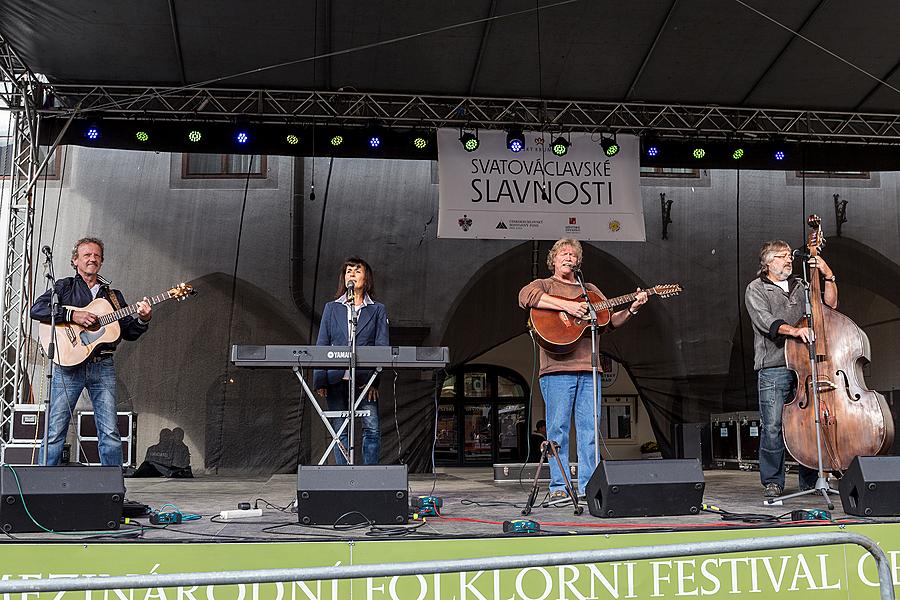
(534, 359)
(439, 376)
(397, 419)
(237, 258)
(270, 505)
(319, 244)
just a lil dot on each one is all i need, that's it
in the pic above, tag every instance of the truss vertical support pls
(21, 92)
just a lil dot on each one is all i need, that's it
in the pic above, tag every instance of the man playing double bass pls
(775, 301)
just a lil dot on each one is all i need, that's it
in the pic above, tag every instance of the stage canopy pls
(710, 52)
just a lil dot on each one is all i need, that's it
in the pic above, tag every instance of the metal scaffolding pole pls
(20, 94)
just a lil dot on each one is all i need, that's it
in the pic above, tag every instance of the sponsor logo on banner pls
(535, 194)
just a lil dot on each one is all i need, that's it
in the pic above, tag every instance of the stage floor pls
(474, 506)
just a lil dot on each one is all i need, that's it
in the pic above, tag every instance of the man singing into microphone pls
(356, 284)
(566, 380)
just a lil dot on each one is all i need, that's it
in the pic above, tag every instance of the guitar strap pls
(113, 298)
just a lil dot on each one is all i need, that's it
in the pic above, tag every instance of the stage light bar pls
(469, 141)
(560, 146)
(515, 140)
(610, 145)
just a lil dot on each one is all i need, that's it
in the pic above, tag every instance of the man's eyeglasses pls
(784, 255)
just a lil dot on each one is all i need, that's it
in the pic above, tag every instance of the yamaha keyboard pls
(367, 357)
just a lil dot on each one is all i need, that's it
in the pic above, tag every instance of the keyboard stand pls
(335, 435)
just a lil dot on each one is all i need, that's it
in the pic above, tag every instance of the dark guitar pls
(557, 331)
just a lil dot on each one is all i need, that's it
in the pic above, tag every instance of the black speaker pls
(345, 495)
(61, 498)
(646, 488)
(870, 487)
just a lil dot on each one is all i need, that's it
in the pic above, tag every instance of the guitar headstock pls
(667, 289)
(181, 291)
(816, 238)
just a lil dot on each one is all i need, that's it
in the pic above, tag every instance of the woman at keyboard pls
(356, 285)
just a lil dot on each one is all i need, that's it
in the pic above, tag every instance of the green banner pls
(819, 572)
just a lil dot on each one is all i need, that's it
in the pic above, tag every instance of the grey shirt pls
(770, 307)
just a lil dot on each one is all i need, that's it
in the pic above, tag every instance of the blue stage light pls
(92, 132)
(374, 141)
(780, 155)
(653, 151)
(242, 137)
(515, 140)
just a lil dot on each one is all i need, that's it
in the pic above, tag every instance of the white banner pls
(493, 193)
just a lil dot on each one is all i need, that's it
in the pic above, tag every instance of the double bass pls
(855, 421)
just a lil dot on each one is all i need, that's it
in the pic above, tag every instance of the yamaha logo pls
(332, 354)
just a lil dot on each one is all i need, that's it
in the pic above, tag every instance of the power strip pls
(233, 515)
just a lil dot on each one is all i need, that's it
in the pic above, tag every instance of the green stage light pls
(469, 141)
(560, 146)
(292, 139)
(738, 154)
(699, 153)
(337, 140)
(194, 136)
(610, 146)
(142, 136)
(420, 142)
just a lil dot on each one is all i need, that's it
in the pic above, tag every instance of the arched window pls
(482, 417)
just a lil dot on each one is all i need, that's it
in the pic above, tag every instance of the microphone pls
(47, 252)
(578, 274)
(799, 252)
(350, 294)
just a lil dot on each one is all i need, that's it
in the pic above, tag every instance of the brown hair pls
(83, 241)
(767, 251)
(355, 261)
(551, 256)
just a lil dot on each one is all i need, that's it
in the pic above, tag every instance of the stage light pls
(92, 133)
(420, 142)
(194, 136)
(737, 154)
(653, 151)
(337, 140)
(780, 155)
(142, 136)
(515, 140)
(560, 146)
(651, 145)
(242, 137)
(375, 141)
(292, 139)
(469, 141)
(699, 152)
(610, 145)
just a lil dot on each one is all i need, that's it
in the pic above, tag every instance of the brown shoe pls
(773, 490)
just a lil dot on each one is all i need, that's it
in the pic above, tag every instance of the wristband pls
(633, 313)
(832, 279)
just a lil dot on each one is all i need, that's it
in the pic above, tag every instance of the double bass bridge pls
(825, 385)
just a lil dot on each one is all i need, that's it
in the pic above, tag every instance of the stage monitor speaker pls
(61, 498)
(870, 487)
(646, 488)
(346, 495)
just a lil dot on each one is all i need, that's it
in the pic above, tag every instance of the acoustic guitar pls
(557, 331)
(75, 344)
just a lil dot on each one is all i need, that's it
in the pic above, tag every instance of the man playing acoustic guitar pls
(566, 378)
(98, 372)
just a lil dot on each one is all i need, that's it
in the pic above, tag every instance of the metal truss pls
(410, 110)
(20, 90)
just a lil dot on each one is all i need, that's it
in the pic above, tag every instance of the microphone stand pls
(821, 486)
(352, 395)
(51, 350)
(594, 366)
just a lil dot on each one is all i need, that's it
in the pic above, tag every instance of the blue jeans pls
(565, 393)
(776, 386)
(66, 386)
(371, 438)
